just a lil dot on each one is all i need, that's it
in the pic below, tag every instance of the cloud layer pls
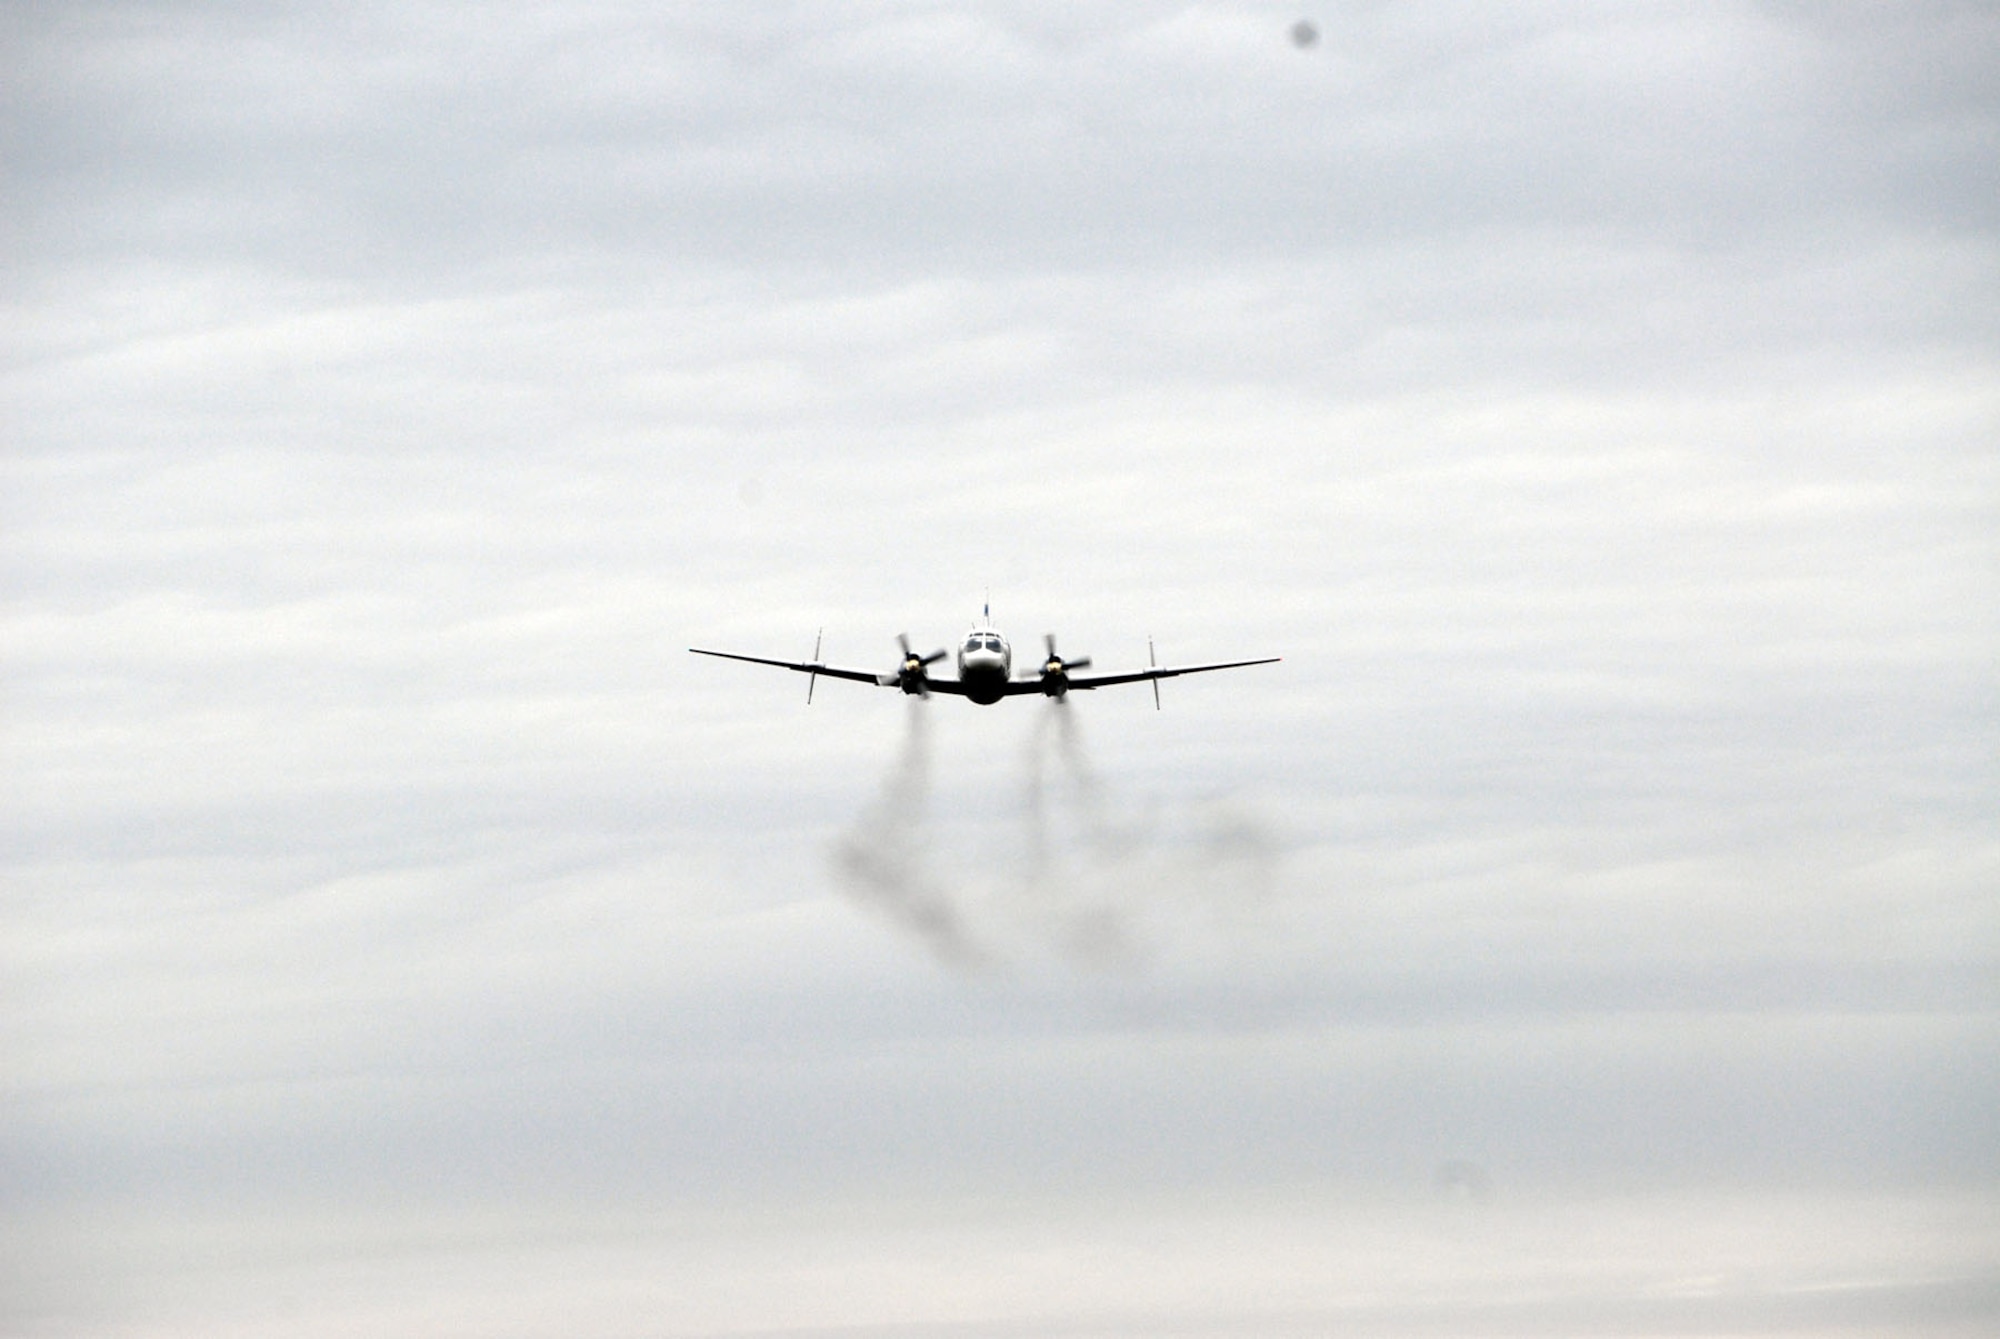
(1595, 409)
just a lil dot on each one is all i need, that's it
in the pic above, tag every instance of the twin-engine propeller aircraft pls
(985, 669)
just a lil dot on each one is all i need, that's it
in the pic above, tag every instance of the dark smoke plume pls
(1078, 913)
(883, 862)
(1082, 878)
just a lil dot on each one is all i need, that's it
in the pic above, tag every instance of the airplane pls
(985, 669)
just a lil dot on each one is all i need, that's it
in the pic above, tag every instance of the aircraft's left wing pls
(1077, 682)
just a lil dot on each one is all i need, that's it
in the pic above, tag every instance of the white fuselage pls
(985, 662)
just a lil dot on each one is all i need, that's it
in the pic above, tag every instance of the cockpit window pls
(993, 643)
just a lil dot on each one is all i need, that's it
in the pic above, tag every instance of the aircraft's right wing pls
(814, 667)
(808, 667)
(1084, 681)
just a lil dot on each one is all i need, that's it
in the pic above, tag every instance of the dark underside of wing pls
(1085, 682)
(802, 666)
(836, 672)
(1017, 688)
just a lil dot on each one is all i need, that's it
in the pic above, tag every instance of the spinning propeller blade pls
(1062, 666)
(909, 675)
(1055, 670)
(903, 640)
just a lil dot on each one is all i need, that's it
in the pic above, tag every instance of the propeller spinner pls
(1055, 670)
(910, 676)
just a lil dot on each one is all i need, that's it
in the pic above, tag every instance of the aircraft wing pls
(1086, 681)
(802, 666)
(835, 672)
(951, 686)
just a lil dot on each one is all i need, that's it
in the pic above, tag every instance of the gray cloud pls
(353, 143)
(1594, 409)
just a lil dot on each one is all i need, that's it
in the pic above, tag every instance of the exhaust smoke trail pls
(1072, 907)
(1081, 877)
(882, 861)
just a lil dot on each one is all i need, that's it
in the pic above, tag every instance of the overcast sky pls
(1589, 927)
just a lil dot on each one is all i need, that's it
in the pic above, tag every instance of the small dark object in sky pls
(1462, 1180)
(1304, 34)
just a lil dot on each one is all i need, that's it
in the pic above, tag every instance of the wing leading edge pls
(802, 666)
(1084, 682)
(835, 672)
(1013, 688)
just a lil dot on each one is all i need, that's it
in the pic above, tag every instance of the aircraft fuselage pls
(985, 663)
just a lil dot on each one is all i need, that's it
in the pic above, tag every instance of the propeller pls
(910, 675)
(1055, 670)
